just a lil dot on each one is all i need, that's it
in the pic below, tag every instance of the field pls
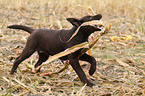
(121, 63)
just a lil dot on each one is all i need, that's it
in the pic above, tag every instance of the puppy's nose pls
(98, 16)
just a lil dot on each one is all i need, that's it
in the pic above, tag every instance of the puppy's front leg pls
(74, 61)
(91, 60)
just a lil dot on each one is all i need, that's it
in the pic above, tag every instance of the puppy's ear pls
(74, 22)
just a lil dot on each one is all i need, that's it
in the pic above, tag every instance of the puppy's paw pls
(92, 71)
(12, 72)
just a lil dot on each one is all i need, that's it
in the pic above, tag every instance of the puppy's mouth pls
(98, 27)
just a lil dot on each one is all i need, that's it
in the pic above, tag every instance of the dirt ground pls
(121, 63)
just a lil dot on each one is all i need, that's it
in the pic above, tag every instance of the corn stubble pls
(121, 68)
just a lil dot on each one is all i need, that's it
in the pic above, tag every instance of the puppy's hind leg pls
(42, 58)
(26, 53)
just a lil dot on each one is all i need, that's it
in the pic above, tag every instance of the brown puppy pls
(49, 42)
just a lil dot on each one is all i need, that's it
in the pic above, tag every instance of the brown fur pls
(47, 42)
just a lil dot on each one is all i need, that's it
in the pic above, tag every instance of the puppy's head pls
(78, 22)
(88, 22)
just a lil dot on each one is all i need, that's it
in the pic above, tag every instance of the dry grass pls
(121, 68)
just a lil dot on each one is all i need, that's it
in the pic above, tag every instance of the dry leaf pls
(76, 47)
(66, 52)
(122, 63)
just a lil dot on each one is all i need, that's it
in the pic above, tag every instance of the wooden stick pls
(66, 52)
(74, 48)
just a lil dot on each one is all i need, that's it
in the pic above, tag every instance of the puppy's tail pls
(21, 27)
